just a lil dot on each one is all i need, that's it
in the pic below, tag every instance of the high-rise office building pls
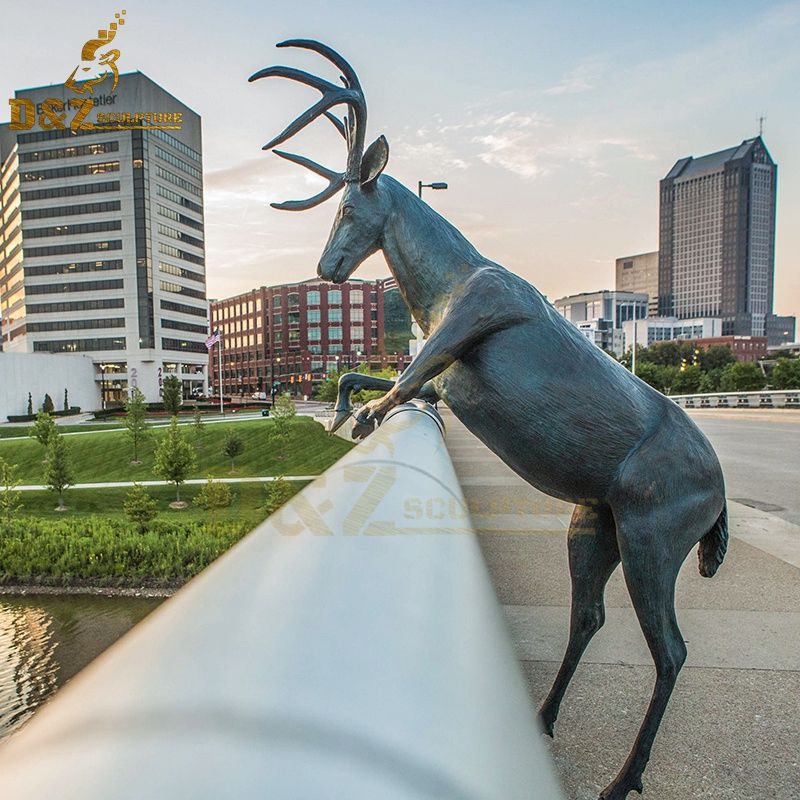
(717, 238)
(639, 273)
(294, 334)
(101, 242)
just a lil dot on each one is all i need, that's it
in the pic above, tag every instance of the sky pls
(552, 123)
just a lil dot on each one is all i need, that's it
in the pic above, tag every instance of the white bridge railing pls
(783, 398)
(351, 647)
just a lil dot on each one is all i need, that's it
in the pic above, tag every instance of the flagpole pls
(219, 358)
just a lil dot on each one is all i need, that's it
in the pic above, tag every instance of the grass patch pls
(246, 508)
(104, 457)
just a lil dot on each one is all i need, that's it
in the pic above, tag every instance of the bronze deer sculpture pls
(560, 412)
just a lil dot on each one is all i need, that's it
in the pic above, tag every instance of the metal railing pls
(350, 647)
(776, 398)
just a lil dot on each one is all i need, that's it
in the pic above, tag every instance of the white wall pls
(46, 373)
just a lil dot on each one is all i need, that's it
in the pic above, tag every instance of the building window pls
(312, 298)
(313, 315)
(314, 334)
(334, 297)
(356, 315)
(357, 332)
(294, 299)
(335, 332)
(335, 315)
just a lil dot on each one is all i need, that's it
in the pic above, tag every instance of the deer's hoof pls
(621, 787)
(547, 722)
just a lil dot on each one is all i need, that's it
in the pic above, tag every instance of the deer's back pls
(553, 406)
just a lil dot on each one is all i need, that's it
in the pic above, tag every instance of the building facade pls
(639, 273)
(667, 329)
(23, 374)
(744, 348)
(600, 315)
(102, 246)
(292, 336)
(717, 238)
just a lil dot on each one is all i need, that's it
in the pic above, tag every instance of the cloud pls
(581, 79)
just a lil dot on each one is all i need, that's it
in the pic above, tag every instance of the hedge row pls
(110, 552)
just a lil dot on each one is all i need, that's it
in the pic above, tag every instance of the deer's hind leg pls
(593, 556)
(651, 566)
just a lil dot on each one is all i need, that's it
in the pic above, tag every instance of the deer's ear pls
(374, 161)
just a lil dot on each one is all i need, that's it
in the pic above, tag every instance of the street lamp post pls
(421, 186)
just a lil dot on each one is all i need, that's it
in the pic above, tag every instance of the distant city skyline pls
(552, 125)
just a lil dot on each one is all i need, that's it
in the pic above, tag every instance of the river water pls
(46, 639)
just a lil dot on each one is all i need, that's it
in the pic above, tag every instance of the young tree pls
(234, 446)
(47, 405)
(140, 508)
(214, 496)
(282, 414)
(135, 425)
(278, 491)
(43, 429)
(172, 394)
(30, 405)
(10, 498)
(58, 474)
(197, 421)
(174, 459)
(742, 376)
(66, 400)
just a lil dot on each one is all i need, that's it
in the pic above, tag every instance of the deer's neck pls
(428, 257)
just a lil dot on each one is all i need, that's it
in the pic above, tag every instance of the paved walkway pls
(732, 730)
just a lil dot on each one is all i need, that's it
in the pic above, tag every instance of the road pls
(760, 455)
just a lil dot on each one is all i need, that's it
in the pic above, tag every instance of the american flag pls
(213, 339)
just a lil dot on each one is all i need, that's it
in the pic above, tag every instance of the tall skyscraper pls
(101, 242)
(717, 238)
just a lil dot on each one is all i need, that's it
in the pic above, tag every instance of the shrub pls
(30, 405)
(107, 552)
(140, 508)
(278, 492)
(47, 405)
(213, 497)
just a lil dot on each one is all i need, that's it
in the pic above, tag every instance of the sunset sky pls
(552, 122)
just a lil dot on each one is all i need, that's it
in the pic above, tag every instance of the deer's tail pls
(713, 545)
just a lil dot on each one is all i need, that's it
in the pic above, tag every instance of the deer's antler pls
(353, 128)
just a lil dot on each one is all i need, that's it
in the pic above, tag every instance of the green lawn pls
(247, 506)
(103, 457)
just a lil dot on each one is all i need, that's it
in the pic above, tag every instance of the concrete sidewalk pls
(732, 729)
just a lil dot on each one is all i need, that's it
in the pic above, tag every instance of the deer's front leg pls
(465, 323)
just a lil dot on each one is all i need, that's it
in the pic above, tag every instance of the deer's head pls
(359, 222)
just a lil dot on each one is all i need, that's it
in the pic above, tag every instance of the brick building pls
(297, 333)
(744, 348)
